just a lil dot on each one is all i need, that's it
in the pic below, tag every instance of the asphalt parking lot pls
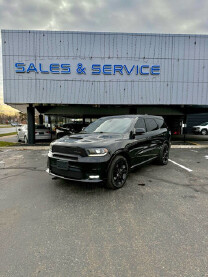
(157, 225)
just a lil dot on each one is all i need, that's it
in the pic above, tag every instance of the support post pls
(40, 119)
(31, 124)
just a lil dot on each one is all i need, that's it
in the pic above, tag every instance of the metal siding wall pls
(183, 60)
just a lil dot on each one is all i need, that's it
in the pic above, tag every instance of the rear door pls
(154, 136)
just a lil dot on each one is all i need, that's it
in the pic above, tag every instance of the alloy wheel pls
(165, 154)
(120, 173)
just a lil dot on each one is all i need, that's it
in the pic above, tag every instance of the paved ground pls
(157, 225)
(7, 130)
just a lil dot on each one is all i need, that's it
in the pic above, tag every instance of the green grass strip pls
(5, 144)
(8, 134)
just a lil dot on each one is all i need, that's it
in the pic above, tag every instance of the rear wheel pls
(117, 173)
(204, 132)
(163, 155)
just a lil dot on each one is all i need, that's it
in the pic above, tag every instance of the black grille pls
(69, 150)
(74, 158)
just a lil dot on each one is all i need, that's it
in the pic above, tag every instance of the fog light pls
(94, 177)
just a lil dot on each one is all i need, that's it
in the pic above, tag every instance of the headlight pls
(50, 147)
(97, 152)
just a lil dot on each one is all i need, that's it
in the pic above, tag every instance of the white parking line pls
(16, 157)
(182, 166)
(194, 151)
(206, 157)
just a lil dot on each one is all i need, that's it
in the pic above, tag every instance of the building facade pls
(83, 73)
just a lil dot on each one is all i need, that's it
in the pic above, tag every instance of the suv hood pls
(82, 140)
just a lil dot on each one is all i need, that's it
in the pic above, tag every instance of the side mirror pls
(139, 131)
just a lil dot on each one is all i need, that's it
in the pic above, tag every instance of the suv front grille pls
(76, 151)
(65, 156)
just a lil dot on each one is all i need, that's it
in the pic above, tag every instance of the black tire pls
(117, 173)
(163, 155)
(204, 132)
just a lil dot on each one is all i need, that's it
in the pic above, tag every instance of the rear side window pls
(140, 124)
(40, 127)
(161, 123)
(151, 124)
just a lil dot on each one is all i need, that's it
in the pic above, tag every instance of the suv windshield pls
(109, 125)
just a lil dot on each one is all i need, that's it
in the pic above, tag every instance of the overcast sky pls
(142, 16)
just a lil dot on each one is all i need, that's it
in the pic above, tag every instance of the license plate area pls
(62, 164)
(41, 133)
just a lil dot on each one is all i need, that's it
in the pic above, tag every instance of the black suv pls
(108, 148)
(69, 128)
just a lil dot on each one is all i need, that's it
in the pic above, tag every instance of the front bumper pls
(84, 169)
(196, 131)
(42, 137)
(71, 179)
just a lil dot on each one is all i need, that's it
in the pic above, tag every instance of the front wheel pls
(204, 132)
(163, 155)
(117, 173)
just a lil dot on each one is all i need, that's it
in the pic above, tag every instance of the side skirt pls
(144, 162)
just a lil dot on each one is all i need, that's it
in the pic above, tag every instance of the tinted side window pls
(151, 124)
(161, 123)
(140, 124)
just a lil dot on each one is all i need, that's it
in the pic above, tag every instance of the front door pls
(138, 150)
